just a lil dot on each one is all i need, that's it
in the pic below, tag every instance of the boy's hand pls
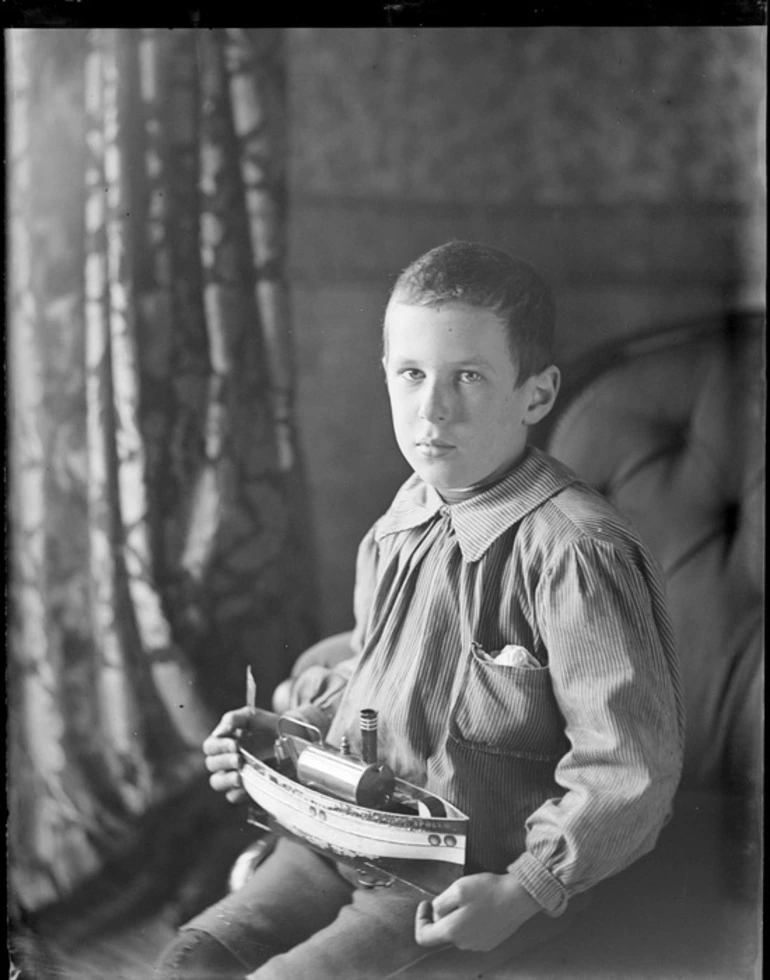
(311, 683)
(221, 748)
(476, 912)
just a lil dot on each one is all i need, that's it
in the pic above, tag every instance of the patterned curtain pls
(158, 527)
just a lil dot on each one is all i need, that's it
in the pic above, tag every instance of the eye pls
(470, 377)
(411, 374)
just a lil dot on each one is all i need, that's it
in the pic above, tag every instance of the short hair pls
(489, 278)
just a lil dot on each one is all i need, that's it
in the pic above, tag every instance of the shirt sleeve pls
(321, 710)
(615, 681)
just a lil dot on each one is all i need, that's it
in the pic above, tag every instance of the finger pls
(222, 762)
(231, 721)
(428, 932)
(220, 746)
(425, 913)
(446, 902)
(235, 795)
(223, 781)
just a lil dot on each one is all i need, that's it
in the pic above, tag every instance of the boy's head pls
(467, 344)
(490, 279)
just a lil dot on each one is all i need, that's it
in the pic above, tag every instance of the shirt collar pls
(479, 521)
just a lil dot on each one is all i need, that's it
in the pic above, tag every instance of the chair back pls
(670, 426)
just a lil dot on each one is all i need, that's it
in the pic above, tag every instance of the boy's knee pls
(195, 955)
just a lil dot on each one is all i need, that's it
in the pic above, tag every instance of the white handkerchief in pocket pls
(515, 656)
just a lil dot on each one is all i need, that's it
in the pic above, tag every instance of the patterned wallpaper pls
(554, 115)
(625, 162)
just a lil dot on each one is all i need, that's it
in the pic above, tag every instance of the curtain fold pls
(160, 540)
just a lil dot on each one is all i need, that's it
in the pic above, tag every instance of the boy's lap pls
(298, 917)
(371, 937)
(291, 895)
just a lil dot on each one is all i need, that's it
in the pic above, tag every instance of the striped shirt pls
(566, 759)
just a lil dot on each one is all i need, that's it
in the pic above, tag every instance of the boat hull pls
(427, 852)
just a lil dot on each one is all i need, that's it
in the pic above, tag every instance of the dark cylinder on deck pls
(345, 777)
(368, 734)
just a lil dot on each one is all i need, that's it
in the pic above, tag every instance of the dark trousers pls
(303, 917)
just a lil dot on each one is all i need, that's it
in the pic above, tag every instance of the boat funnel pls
(369, 735)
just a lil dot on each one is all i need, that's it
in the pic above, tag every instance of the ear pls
(543, 389)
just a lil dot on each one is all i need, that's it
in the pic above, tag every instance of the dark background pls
(625, 162)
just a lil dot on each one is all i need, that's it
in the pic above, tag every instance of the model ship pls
(354, 808)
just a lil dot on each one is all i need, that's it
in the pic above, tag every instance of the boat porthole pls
(450, 841)
(434, 840)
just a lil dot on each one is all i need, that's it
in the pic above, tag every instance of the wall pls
(626, 163)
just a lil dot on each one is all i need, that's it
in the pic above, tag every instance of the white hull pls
(353, 831)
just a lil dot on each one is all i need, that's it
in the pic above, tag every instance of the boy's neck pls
(455, 495)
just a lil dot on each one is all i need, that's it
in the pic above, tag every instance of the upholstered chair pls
(669, 424)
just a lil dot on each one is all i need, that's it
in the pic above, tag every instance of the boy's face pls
(458, 414)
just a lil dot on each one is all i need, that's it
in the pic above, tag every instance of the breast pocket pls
(509, 710)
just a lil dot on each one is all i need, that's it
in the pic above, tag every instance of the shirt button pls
(444, 511)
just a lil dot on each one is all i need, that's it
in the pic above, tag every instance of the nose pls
(435, 403)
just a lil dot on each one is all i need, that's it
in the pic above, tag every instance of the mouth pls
(434, 448)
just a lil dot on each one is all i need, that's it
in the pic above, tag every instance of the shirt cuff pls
(540, 883)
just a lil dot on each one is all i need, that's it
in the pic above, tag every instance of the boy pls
(510, 630)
